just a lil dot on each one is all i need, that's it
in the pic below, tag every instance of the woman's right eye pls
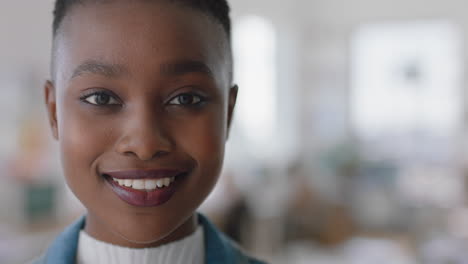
(100, 99)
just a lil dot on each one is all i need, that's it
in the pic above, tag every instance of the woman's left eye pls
(100, 98)
(186, 99)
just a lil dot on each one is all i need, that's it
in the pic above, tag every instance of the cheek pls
(203, 138)
(81, 141)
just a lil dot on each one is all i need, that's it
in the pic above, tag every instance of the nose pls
(144, 136)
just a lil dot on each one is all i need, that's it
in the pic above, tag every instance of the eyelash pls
(199, 99)
(195, 97)
(85, 98)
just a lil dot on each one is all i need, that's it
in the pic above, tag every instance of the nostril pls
(161, 153)
(143, 144)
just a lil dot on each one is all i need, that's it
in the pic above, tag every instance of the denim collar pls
(218, 248)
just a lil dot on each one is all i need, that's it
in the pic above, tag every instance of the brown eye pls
(186, 99)
(100, 98)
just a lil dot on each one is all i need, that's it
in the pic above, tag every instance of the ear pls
(51, 104)
(231, 105)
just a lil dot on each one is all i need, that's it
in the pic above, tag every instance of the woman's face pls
(141, 106)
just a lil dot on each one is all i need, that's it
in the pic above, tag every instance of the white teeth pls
(167, 181)
(160, 183)
(145, 183)
(127, 183)
(138, 184)
(150, 184)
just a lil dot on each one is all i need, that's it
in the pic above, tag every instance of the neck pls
(127, 238)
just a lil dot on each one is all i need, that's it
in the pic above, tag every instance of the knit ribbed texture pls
(188, 250)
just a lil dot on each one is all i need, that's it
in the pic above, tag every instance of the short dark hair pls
(217, 9)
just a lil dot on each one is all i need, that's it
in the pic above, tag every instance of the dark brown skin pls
(136, 53)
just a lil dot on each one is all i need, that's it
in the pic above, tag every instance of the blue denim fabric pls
(218, 248)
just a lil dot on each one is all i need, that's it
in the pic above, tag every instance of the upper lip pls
(144, 174)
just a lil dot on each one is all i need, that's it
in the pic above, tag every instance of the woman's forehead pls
(141, 36)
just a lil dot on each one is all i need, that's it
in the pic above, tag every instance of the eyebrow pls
(98, 67)
(175, 68)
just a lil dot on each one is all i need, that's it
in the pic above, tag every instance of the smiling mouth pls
(144, 188)
(145, 184)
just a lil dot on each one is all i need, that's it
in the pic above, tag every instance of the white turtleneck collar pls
(190, 249)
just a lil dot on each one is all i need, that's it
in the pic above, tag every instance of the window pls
(254, 44)
(406, 78)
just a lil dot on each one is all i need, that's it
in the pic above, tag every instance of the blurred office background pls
(349, 144)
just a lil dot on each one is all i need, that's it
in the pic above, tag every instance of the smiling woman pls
(140, 132)
(141, 102)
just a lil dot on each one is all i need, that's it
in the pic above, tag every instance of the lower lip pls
(143, 198)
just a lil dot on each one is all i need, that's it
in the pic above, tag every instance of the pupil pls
(186, 99)
(102, 99)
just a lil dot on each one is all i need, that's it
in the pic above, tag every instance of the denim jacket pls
(218, 248)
